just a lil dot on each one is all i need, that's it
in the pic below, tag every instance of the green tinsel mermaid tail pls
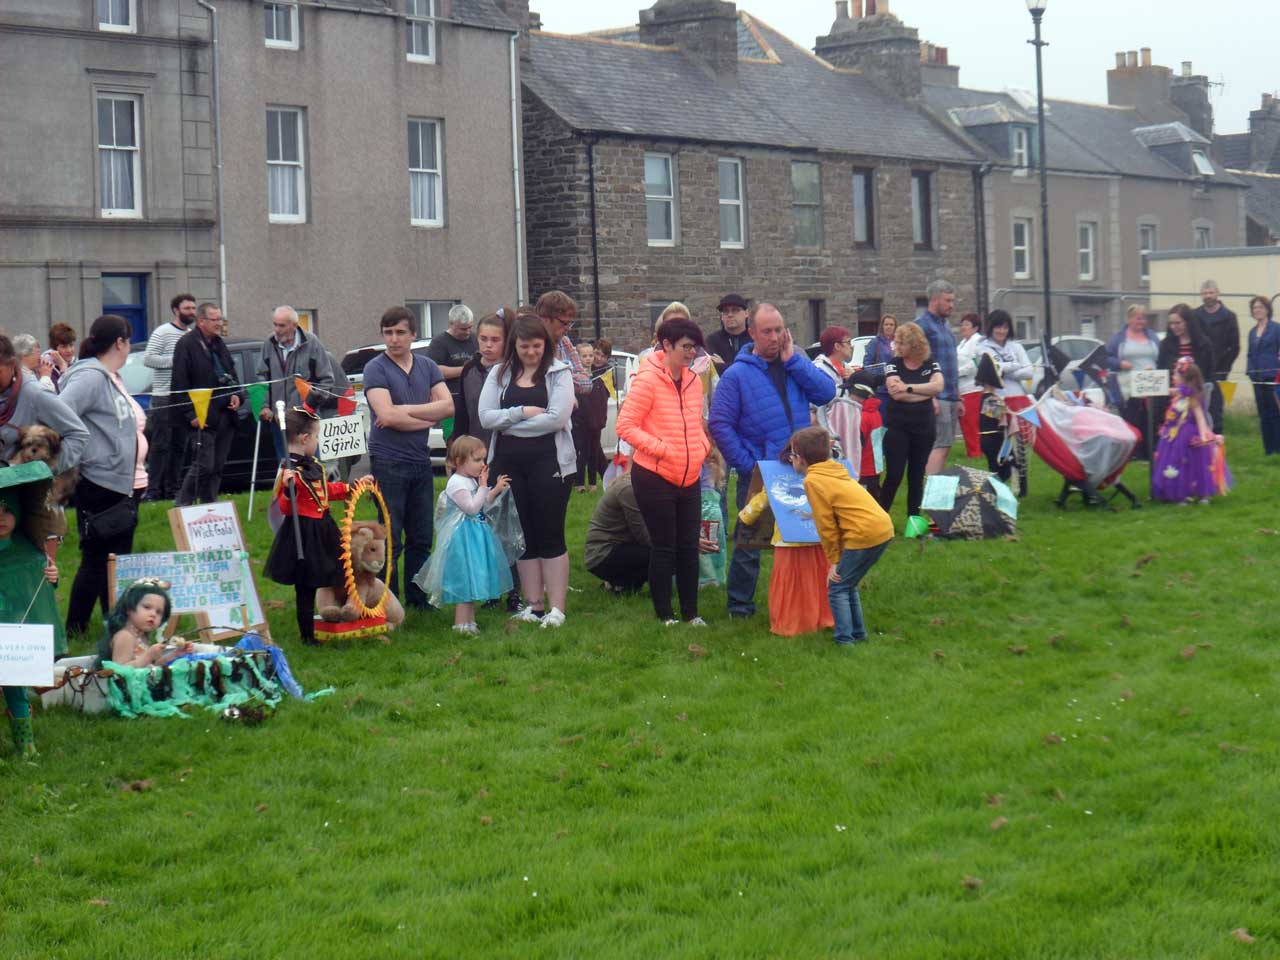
(24, 737)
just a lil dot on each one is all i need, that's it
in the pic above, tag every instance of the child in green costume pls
(27, 576)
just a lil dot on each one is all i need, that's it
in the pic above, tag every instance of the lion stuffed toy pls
(368, 557)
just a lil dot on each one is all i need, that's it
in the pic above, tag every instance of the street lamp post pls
(1037, 8)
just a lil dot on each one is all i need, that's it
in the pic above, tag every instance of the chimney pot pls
(857, 9)
(1186, 68)
(1131, 58)
(882, 6)
(1146, 56)
(842, 9)
(1267, 100)
(1120, 59)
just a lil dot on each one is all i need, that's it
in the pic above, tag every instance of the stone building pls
(106, 169)
(1254, 157)
(701, 153)
(1126, 179)
(370, 157)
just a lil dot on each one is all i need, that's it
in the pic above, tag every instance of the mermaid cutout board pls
(788, 506)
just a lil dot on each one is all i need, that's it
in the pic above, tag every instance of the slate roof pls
(1235, 150)
(1079, 137)
(1162, 134)
(600, 83)
(481, 13)
(1263, 199)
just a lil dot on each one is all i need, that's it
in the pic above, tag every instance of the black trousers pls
(210, 447)
(167, 430)
(1134, 413)
(906, 449)
(591, 458)
(626, 567)
(304, 599)
(541, 496)
(991, 438)
(1215, 405)
(90, 584)
(673, 516)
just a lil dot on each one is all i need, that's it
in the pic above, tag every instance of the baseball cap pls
(732, 301)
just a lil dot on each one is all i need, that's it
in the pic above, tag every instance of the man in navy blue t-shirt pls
(407, 396)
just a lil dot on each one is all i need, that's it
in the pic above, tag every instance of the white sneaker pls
(670, 623)
(697, 622)
(553, 618)
(469, 629)
(527, 614)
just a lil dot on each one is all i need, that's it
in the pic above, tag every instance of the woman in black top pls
(912, 381)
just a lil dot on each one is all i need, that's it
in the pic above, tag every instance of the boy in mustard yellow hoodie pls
(855, 531)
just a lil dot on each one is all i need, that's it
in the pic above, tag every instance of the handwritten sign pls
(216, 526)
(341, 437)
(201, 582)
(1149, 383)
(26, 655)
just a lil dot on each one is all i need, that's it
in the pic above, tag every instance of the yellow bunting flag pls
(200, 400)
(1228, 391)
(607, 380)
(303, 387)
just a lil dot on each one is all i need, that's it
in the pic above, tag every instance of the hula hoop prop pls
(372, 620)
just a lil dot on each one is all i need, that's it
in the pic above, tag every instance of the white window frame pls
(277, 6)
(1145, 249)
(428, 172)
(1024, 327)
(1025, 249)
(420, 15)
(797, 204)
(922, 232)
(135, 102)
(300, 164)
(669, 199)
(864, 207)
(130, 27)
(1021, 147)
(1087, 228)
(424, 310)
(738, 206)
(1197, 231)
(1200, 160)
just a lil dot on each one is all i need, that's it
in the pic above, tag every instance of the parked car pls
(235, 473)
(859, 345)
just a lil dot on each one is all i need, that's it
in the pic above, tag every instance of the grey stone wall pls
(697, 270)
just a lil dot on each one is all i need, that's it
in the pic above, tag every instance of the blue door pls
(125, 294)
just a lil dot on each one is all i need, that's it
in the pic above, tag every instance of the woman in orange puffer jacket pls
(662, 419)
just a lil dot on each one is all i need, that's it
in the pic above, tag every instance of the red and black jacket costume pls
(314, 491)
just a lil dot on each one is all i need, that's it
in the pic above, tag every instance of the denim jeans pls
(846, 605)
(409, 490)
(744, 566)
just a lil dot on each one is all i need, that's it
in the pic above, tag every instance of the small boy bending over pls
(854, 529)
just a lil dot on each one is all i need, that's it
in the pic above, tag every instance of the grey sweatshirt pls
(36, 405)
(112, 453)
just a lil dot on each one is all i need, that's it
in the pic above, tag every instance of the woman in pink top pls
(112, 476)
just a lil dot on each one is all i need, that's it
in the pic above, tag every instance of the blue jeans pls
(409, 490)
(846, 605)
(744, 566)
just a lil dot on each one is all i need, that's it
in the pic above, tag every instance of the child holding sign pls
(321, 542)
(855, 531)
(26, 595)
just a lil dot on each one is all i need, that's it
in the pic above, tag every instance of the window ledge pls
(122, 214)
(418, 58)
(662, 243)
(732, 246)
(117, 28)
(280, 45)
(287, 221)
(427, 224)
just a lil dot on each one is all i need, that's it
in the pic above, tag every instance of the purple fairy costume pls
(1183, 470)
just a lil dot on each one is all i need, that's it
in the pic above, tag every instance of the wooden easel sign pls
(216, 526)
(199, 584)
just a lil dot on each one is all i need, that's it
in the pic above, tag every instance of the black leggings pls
(673, 516)
(906, 449)
(304, 599)
(992, 439)
(90, 584)
(541, 495)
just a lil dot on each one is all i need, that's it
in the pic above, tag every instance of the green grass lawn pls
(1059, 746)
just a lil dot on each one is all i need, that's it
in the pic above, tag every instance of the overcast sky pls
(1233, 42)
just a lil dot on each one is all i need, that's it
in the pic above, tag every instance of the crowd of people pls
(523, 407)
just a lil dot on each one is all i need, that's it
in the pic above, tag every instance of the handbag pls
(117, 519)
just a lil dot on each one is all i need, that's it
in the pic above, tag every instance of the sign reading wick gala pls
(341, 437)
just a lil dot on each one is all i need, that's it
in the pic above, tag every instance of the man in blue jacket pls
(761, 401)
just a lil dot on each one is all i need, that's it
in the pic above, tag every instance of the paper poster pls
(1148, 383)
(940, 493)
(26, 655)
(877, 448)
(209, 582)
(341, 437)
(785, 489)
(1006, 502)
(216, 526)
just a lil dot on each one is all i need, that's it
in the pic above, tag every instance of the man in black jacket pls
(724, 344)
(1220, 326)
(202, 361)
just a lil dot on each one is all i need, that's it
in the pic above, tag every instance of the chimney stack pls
(706, 30)
(882, 47)
(1186, 68)
(1190, 93)
(1146, 56)
(842, 9)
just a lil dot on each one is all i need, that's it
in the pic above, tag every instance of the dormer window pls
(1021, 149)
(1201, 162)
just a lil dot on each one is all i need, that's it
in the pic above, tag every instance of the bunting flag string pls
(200, 400)
(1228, 388)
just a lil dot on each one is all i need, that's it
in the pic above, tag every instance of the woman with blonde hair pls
(912, 380)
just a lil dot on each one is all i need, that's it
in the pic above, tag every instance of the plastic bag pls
(505, 520)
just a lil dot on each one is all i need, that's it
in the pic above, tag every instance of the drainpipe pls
(515, 170)
(595, 250)
(980, 231)
(217, 157)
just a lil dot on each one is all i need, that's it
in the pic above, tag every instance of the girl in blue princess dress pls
(468, 563)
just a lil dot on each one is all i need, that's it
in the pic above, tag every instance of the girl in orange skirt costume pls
(798, 601)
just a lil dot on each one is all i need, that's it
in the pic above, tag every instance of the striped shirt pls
(159, 356)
